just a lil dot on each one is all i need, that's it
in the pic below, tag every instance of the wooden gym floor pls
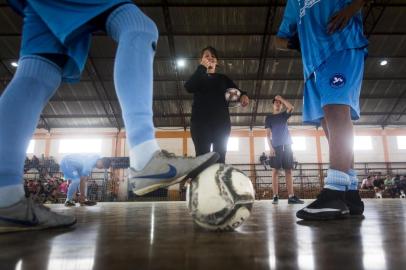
(162, 236)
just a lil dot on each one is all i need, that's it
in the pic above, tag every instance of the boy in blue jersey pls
(333, 49)
(78, 168)
(55, 42)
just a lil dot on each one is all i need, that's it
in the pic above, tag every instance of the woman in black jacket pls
(210, 123)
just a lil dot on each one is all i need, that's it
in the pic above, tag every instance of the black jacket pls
(209, 103)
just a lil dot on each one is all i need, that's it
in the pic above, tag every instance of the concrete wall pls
(175, 145)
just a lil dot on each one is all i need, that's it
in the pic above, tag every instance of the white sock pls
(10, 195)
(141, 154)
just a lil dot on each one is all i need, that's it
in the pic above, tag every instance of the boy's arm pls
(269, 140)
(289, 106)
(340, 20)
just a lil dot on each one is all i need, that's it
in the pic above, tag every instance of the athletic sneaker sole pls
(295, 202)
(10, 229)
(332, 215)
(192, 174)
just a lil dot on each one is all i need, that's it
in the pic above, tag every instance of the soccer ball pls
(220, 198)
(232, 96)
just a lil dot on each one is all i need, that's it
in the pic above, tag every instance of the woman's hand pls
(244, 100)
(205, 62)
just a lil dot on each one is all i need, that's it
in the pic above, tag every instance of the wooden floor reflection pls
(163, 236)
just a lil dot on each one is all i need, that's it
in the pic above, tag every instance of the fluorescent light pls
(384, 62)
(14, 64)
(181, 63)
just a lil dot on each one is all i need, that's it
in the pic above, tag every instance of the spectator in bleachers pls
(263, 160)
(390, 186)
(63, 187)
(379, 186)
(402, 186)
(368, 183)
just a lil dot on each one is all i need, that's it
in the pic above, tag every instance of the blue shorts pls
(337, 81)
(45, 32)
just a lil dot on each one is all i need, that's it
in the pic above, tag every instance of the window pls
(80, 146)
(401, 142)
(233, 144)
(266, 144)
(299, 144)
(362, 143)
(31, 146)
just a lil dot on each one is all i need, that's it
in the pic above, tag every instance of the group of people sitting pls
(46, 190)
(392, 186)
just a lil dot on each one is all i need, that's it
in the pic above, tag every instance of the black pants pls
(206, 134)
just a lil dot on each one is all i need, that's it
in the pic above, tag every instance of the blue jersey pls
(278, 123)
(309, 19)
(79, 164)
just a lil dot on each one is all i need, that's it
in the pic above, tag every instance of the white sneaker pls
(166, 169)
(26, 215)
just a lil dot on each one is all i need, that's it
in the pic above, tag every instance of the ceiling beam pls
(172, 52)
(373, 15)
(252, 78)
(189, 98)
(385, 121)
(266, 41)
(183, 4)
(95, 79)
(177, 115)
(214, 33)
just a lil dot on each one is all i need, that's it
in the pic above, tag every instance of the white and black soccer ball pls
(220, 198)
(232, 96)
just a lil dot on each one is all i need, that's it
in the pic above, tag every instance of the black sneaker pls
(275, 199)
(330, 204)
(354, 203)
(88, 203)
(295, 200)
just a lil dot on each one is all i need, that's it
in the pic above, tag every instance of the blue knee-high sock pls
(137, 37)
(33, 84)
(72, 189)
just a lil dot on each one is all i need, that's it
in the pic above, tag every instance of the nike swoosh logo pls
(169, 174)
(34, 221)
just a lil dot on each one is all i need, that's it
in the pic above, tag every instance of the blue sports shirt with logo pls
(309, 19)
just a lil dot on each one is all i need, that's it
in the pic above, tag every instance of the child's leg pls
(33, 84)
(137, 37)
